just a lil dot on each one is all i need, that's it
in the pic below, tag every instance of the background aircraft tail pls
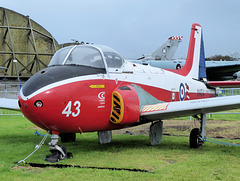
(195, 66)
(167, 50)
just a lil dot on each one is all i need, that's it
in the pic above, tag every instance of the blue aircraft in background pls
(163, 58)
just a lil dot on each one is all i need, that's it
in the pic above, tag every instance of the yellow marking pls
(115, 112)
(97, 86)
(117, 101)
(114, 107)
(155, 107)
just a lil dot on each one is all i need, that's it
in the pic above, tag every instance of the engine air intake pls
(117, 108)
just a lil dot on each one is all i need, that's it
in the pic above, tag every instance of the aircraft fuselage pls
(71, 98)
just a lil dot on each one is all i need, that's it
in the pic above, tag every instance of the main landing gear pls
(155, 133)
(59, 152)
(196, 139)
(197, 136)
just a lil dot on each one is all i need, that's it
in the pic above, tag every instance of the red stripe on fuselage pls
(166, 95)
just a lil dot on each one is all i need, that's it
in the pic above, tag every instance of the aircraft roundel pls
(164, 50)
(181, 92)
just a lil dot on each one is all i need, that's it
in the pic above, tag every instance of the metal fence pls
(7, 112)
(227, 92)
(10, 90)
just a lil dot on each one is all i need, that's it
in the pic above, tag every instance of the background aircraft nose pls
(236, 75)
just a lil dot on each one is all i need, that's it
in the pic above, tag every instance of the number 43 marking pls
(68, 109)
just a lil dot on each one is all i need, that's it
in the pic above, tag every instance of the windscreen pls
(78, 55)
(113, 59)
(59, 56)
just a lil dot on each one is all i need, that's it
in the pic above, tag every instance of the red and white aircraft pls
(89, 88)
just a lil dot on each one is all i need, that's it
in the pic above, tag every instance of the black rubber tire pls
(194, 138)
(178, 66)
(67, 137)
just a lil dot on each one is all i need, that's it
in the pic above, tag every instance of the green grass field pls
(172, 160)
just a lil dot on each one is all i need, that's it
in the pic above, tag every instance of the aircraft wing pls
(224, 84)
(9, 103)
(222, 71)
(170, 110)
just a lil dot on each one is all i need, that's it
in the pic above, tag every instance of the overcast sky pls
(134, 27)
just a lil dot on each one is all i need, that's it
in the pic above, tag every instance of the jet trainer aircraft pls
(89, 88)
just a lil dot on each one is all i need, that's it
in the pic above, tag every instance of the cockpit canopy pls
(87, 55)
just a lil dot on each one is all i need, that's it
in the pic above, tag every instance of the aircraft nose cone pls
(235, 75)
(45, 108)
(54, 74)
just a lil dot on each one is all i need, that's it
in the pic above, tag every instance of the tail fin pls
(168, 49)
(195, 66)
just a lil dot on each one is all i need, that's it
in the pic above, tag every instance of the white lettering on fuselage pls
(101, 99)
(68, 109)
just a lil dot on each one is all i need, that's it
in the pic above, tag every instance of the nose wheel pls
(59, 152)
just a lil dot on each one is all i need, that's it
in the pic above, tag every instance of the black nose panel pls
(57, 73)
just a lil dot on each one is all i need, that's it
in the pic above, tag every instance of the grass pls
(171, 160)
(229, 117)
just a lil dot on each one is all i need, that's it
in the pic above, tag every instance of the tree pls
(219, 58)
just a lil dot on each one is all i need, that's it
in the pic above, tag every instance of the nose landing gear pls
(59, 152)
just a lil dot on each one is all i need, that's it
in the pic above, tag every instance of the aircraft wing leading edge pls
(9, 103)
(187, 108)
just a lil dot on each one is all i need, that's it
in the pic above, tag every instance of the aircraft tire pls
(194, 138)
(67, 137)
(178, 66)
(57, 155)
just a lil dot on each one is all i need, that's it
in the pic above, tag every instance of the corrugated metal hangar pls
(25, 46)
